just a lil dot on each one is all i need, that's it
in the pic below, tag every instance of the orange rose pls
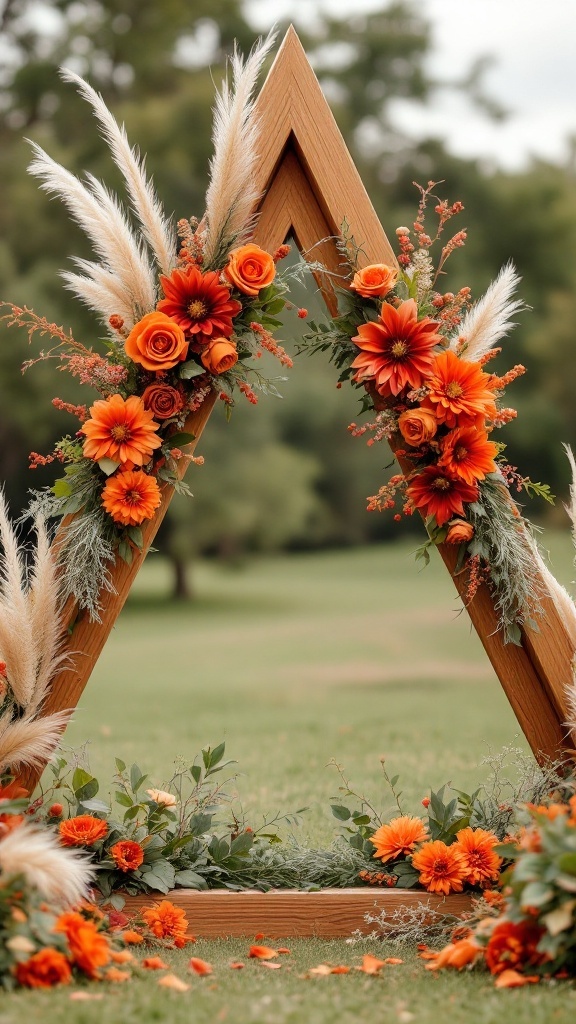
(162, 400)
(127, 855)
(250, 269)
(45, 969)
(459, 532)
(219, 356)
(417, 426)
(374, 281)
(83, 830)
(156, 342)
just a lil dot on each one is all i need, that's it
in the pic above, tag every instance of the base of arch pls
(283, 913)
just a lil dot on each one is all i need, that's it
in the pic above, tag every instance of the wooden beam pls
(285, 913)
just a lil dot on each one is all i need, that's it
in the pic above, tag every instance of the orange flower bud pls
(459, 531)
(219, 356)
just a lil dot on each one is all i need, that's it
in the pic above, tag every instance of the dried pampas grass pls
(59, 874)
(489, 319)
(29, 742)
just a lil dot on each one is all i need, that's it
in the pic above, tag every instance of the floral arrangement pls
(419, 355)
(530, 932)
(184, 321)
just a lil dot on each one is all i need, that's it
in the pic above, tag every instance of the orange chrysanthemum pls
(88, 947)
(399, 838)
(166, 921)
(83, 830)
(200, 303)
(476, 846)
(45, 969)
(131, 497)
(468, 454)
(441, 867)
(127, 855)
(397, 349)
(513, 946)
(437, 493)
(122, 430)
(459, 392)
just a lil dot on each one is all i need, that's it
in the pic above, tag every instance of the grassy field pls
(294, 661)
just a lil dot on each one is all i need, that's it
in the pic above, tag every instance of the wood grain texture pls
(285, 913)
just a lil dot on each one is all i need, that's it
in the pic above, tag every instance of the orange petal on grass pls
(273, 967)
(154, 963)
(513, 979)
(323, 970)
(132, 938)
(393, 960)
(283, 949)
(237, 965)
(83, 997)
(115, 974)
(173, 982)
(371, 964)
(199, 966)
(262, 952)
(259, 936)
(124, 956)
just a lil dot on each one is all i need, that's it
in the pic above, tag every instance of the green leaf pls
(188, 879)
(120, 766)
(108, 466)
(191, 369)
(536, 894)
(117, 901)
(567, 863)
(340, 812)
(180, 439)
(196, 773)
(61, 488)
(123, 799)
(125, 552)
(361, 819)
(241, 846)
(95, 805)
(136, 778)
(135, 534)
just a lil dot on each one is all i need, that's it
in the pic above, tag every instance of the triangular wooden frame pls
(309, 186)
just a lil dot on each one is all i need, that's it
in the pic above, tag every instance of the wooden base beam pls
(286, 913)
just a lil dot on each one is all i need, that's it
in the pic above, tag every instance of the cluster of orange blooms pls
(446, 404)
(470, 860)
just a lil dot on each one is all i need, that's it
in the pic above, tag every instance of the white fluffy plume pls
(571, 507)
(231, 195)
(59, 874)
(489, 319)
(29, 742)
(100, 215)
(31, 634)
(145, 203)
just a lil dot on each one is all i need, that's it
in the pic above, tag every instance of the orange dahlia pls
(459, 392)
(468, 454)
(513, 946)
(127, 855)
(398, 838)
(397, 349)
(441, 867)
(166, 921)
(476, 846)
(436, 493)
(83, 830)
(122, 430)
(131, 497)
(44, 969)
(200, 303)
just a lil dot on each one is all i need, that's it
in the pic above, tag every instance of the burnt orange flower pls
(131, 497)
(374, 281)
(398, 838)
(459, 531)
(127, 855)
(88, 947)
(44, 969)
(396, 349)
(166, 921)
(417, 426)
(513, 946)
(132, 938)
(438, 494)
(156, 342)
(219, 356)
(200, 967)
(83, 830)
(250, 268)
(459, 392)
(199, 303)
(456, 954)
(163, 401)
(550, 811)
(468, 454)
(476, 846)
(441, 867)
(13, 791)
(121, 430)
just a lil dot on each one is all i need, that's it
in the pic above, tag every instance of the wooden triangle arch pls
(309, 186)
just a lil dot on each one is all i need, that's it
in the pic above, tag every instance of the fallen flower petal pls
(199, 966)
(237, 965)
(124, 956)
(320, 971)
(259, 936)
(262, 952)
(154, 963)
(371, 964)
(393, 960)
(116, 975)
(273, 967)
(283, 949)
(173, 982)
(82, 997)
(132, 938)
(513, 979)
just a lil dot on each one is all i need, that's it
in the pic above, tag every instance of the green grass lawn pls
(294, 661)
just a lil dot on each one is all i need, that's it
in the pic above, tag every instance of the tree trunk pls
(182, 590)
